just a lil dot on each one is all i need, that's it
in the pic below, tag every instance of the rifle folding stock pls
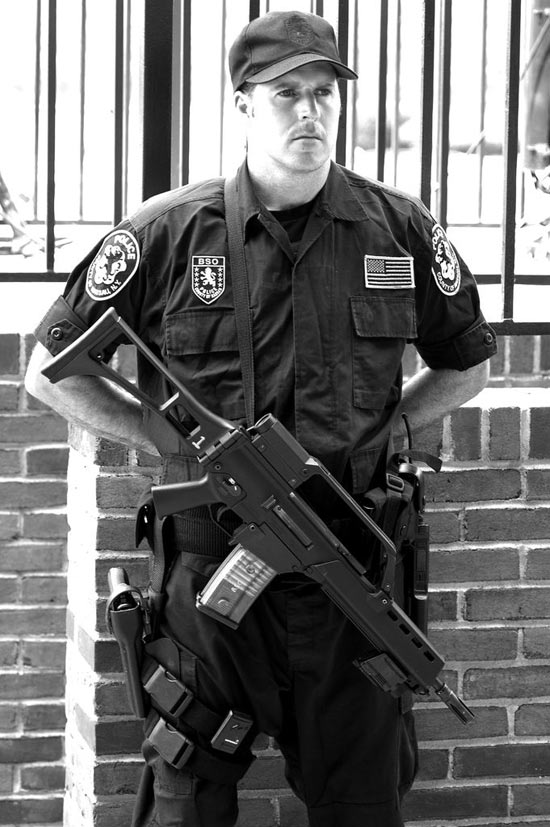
(262, 475)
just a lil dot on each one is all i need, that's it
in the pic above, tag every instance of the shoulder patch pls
(446, 269)
(208, 282)
(113, 266)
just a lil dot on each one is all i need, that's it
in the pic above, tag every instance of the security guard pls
(342, 273)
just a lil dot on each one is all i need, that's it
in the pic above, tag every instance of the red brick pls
(45, 589)
(511, 760)
(476, 644)
(465, 431)
(43, 653)
(9, 719)
(44, 427)
(9, 589)
(461, 485)
(540, 433)
(510, 523)
(538, 564)
(9, 652)
(536, 642)
(9, 526)
(31, 621)
(512, 682)
(112, 777)
(32, 494)
(31, 684)
(445, 526)
(438, 724)
(433, 764)
(21, 556)
(114, 812)
(44, 717)
(6, 779)
(9, 397)
(10, 462)
(504, 433)
(116, 737)
(451, 802)
(457, 565)
(443, 606)
(532, 719)
(507, 604)
(531, 800)
(123, 491)
(116, 533)
(9, 354)
(26, 750)
(266, 773)
(538, 484)
(43, 778)
(32, 810)
(51, 461)
(45, 525)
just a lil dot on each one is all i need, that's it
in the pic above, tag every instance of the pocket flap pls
(384, 317)
(200, 331)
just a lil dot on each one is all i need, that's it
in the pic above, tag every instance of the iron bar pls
(444, 111)
(157, 97)
(50, 141)
(427, 86)
(343, 44)
(381, 110)
(118, 181)
(510, 157)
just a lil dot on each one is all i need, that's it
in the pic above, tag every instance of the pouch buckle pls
(170, 694)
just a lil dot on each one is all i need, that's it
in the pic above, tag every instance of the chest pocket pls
(203, 352)
(381, 328)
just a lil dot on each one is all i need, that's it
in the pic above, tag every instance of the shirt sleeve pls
(111, 275)
(451, 329)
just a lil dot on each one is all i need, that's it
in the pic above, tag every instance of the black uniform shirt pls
(331, 318)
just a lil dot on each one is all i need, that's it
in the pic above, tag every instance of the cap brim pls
(294, 62)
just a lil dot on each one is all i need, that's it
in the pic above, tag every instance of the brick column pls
(102, 738)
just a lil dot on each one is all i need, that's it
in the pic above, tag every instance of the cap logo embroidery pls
(299, 31)
(389, 272)
(208, 281)
(446, 269)
(113, 266)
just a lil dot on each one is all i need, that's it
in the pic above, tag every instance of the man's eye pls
(286, 93)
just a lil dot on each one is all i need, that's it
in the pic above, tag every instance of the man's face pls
(293, 120)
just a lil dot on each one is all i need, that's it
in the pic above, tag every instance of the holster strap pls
(180, 751)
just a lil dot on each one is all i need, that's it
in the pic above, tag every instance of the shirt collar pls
(336, 199)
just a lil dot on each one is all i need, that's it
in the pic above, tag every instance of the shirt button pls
(488, 338)
(56, 333)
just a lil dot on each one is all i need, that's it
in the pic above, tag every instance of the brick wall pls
(490, 614)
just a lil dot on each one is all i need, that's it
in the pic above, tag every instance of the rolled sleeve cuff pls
(470, 348)
(60, 327)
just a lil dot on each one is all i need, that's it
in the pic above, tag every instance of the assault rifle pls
(259, 473)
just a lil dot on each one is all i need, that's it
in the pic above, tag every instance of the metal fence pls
(126, 98)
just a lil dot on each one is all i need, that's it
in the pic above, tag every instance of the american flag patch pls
(390, 272)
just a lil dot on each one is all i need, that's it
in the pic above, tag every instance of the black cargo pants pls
(349, 748)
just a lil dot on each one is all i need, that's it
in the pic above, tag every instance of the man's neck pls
(283, 189)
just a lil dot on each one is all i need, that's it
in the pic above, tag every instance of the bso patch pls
(113, 266)
(208, 277)
(446, 269)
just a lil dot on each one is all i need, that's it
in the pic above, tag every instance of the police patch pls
(208, 277)
(113, 266)
(446, 269)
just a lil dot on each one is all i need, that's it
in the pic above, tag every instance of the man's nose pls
(308, 107)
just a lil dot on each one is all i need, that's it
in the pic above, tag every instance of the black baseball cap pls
(277, 42)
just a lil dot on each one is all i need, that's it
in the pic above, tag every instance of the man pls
(343, 272)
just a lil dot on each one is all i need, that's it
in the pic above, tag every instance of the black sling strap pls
(241, 295)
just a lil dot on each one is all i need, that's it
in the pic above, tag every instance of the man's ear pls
(242, 103)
